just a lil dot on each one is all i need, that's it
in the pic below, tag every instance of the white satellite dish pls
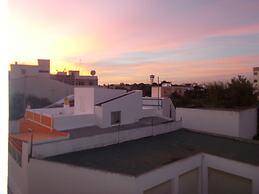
(93, 72)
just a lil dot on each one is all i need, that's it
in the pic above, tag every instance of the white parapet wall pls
(63, 123)
(47, 149)
(237, 123)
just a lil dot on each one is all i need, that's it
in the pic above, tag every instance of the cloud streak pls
(127, 40)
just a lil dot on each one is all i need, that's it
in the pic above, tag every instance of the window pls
(115, 117)
(255, 73)
(255, 80)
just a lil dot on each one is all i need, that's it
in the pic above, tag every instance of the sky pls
(127, 40)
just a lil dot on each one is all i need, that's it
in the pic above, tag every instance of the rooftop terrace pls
(140, 156)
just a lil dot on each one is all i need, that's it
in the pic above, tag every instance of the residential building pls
(256, 77)
(74, 78)
(166, 90)
(114, 141)
(29, 79)
(21, 70)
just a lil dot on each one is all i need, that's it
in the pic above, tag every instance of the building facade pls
(114, 141)
(256, 78)
(29, 79)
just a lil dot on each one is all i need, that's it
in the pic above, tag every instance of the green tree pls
(240, 92)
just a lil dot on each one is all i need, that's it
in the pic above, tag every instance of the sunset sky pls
(127, 40)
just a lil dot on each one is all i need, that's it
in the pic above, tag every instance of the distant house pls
(166, 90)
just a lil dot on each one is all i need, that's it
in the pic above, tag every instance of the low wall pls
(248, 123)
(226, 122)
(42, 150)
(63, 123)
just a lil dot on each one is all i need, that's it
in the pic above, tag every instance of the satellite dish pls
(93, 72)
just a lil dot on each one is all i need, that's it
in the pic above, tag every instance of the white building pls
(21, 70)
(256, 77)
(36, 80)
(113, 141)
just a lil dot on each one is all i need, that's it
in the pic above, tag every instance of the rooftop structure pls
(114, 141)
(21, 70)
(182, 161)
(96, 111)
(141, 156)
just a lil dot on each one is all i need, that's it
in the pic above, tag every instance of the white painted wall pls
(130, 107)
(54, 112)
(149, 112)
(42, 150)
(84, 100)
(87, 97)
(201, 161)
(167, 172)
(54, 178)
(51, 177)
(232, 167)
(167, 107)
(18, 175)
(30, 70)
(63, 123)
(40, 86)
(103, 94)
(226, 122)
(248, 123)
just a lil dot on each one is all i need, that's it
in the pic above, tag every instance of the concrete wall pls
(51, 177)
(30, 70)
(226, 122)
(189, 182)
(163, 188)
(222, 182)
(235, 168)
(248, 123)
(149, 112)
(54, 178)
(103, 94)
(168, 109)
(172, 172)
(42, 150)
(187, 173)
(62, 123)
(130, 107)
(87, 97)
(84, 100)
(40, 86)
(18, 175)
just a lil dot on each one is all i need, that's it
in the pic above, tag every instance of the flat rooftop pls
(140, 156)
(95, 130)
